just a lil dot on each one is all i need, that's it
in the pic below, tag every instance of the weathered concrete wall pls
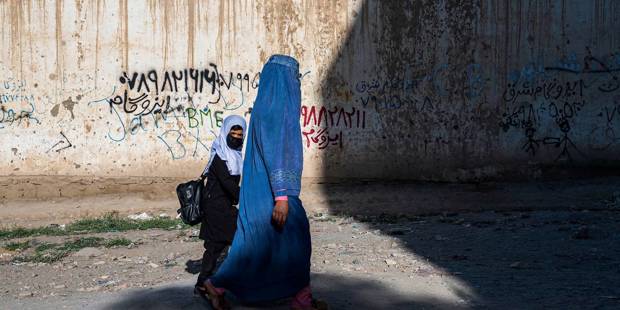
(461, 90)
(441, 90)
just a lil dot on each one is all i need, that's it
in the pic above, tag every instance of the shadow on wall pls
(405, 99)
(470, 91)
(401, 98)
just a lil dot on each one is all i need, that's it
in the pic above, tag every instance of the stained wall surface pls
(428, 90)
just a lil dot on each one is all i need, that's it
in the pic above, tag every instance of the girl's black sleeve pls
(229, 183)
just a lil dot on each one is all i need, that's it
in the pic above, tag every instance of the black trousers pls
(213, 250)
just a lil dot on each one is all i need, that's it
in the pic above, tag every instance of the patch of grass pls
(107, 223)
(28, 232)
(48, 256)
(80, 243)
(51, 252)
(17, 246)
(114, 223)
(117, 242)
(45, 246)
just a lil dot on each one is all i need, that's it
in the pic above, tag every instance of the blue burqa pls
(265, 263)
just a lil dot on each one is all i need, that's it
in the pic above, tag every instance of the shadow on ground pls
(342, 293)
(521, 260)
(408, 65)
(486, 260)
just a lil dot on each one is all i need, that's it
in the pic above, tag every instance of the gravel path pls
(510, 260)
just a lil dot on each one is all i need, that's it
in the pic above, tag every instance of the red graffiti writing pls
(334, 117)
(324, 127)
(322, 138)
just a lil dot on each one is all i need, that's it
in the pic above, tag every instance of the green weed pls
(17, 246)
(107, 223)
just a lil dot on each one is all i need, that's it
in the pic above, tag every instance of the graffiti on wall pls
(408, 90)
(170, 127)
(143, 93)
(425, 99)
(547, 103)
(61, 145)
(606, 133)
(181, 109)
(17, 106)
(323, 126)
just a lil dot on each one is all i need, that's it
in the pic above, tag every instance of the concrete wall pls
(439, 90)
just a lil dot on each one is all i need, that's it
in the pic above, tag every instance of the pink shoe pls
(216, 296)
(303, 300)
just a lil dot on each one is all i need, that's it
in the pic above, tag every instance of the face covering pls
(234, 143)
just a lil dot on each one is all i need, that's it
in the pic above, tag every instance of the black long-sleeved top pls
(221, 194)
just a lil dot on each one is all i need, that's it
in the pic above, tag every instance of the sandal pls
(217, 300)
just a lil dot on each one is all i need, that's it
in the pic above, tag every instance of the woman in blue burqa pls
(269, 257)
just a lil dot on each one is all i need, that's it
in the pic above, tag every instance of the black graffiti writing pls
(528, 115)
(65, 141)
(552, 90)
(406, 84)
(564, 141)
(195, 80)
(593, 66)
(8, 116)
(144, 93)
(395, 102)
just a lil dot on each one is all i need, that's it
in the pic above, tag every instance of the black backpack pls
(190, 195)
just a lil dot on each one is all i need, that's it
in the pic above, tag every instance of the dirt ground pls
(36, 201)
(494, 260)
